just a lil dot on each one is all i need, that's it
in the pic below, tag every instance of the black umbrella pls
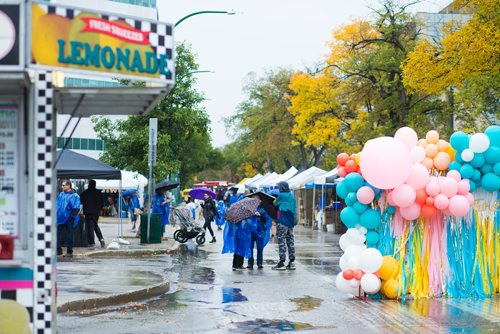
(167, 185)
(267, 203)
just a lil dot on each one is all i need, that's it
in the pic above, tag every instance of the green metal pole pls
(203, 12)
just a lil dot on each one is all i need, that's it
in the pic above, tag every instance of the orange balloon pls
(432, 137)
(421, 197)
(442, 161)
(422, 142)
(428, 162)
(341, 171)
(428, 211)
(353, 156)
(342, 159)
(442, 145)
(350, 166)
(451, 152)
(429, 201)
(391, 289)
(431, 150)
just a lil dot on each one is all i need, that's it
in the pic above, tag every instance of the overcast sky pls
(265, 34)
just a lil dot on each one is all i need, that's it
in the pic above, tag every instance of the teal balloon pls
(342, 190)
(493, 133)
(478, 160)
(354, 181)
(487, 168)
(458, 157)
(370, 219)
(455, 165)
(349, 217)
(390, 210)
(372, 238)
(492, 155)
(490, 182)
(496, 168)
(351, 198)
(476, 176)
(466, 171)
(459, 141)
(472, 186)
(359, 207)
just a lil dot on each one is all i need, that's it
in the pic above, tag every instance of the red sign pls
(115, 30)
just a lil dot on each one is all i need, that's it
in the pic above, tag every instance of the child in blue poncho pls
(287, 216)
(259, 237)
(221, 209)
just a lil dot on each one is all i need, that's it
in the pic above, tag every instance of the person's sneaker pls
(68, 255)
(260, 266)
(239, 268)
(250, 267)
(213, 241)
(279, 266)
(291, 265)
(103, 244)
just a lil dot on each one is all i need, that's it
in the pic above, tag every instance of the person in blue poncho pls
(237, 237)
(161, 204)
(287, 216)
(221, 209)
(259, 237)
(67, 207)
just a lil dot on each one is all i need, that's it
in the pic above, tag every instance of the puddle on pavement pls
(230, 295)
(270, 326)
(306, 303)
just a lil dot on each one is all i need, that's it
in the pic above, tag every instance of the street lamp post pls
(232, 12)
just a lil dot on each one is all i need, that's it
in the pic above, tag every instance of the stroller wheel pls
(179, 236)
(200, 240)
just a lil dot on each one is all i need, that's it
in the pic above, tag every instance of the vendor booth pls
(41, 43)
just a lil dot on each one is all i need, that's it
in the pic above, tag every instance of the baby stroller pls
(189, 229)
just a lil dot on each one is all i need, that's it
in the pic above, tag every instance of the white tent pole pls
(322, 201)
(120, 209)
(314, 203)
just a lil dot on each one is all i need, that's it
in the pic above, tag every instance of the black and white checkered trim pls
(44, 190)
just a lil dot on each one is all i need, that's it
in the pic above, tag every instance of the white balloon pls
(417, 154)
(353, 250)
(344, 242)
(370, 283)
(354, 283)
(467, 155)
(370, 260)
(343, 285)
(479, 142)
(343, 263)
(353, 262)
(352, 233)
(362, 230)
(362, 238)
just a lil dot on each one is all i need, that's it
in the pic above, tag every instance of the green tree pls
(184, 143)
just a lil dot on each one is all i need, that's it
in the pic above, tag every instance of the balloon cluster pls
(347, 164)
(359, 264)
(358, 195)
(478, 158)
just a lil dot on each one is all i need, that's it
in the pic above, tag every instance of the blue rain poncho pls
(221, 209)
(262, 229)
(66, 203)
(164, 210)
(285, 202)
(237, 237)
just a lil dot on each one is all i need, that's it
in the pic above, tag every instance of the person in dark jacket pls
(67, 207)
(287, 215)
(92, 205)
(209, 213)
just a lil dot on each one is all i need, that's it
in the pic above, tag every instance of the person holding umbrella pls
(287, 215)
(259, 237)
(209, 213)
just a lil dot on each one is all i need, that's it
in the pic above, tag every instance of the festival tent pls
(263, 181)
(252, 179)
(306, 176)
(70, 164)
(326, 178)
(130, 180)
(291, 172)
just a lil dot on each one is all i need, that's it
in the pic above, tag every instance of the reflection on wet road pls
(207, 296)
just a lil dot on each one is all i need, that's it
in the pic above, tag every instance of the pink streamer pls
(398, 225)
(435, 231)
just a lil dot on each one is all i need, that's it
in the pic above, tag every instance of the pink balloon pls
(417, 154)
(419, 176)
(459, 206)
(448, 186)
(408, 136)
(470, 198)
(365, 195)
(432, 189)
(455, 174)
(390, 199)
(411, 212)
(463, 187)
(385, 162)
(404, 195)
(441, 202)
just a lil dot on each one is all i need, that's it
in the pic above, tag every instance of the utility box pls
(155, 231)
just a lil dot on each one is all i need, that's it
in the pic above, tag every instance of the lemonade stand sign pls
(78, 40)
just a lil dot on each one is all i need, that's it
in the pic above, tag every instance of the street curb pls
(111, 300)
(129, 252)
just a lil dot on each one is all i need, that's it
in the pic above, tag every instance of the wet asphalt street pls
(207, 296)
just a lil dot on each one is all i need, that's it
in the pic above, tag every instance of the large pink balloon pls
(441, 202)
(365, 195)
(419, 177)
(385, 162)
(408, 136)
(432, 189)
(448, 186)
(411, 212)
(404, 195)
(455, 175)
(463, 187)
(459, 206)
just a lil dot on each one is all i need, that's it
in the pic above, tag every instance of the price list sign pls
(8, 169)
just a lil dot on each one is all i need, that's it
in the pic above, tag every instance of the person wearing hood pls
(259, 237)
(92, 204)
(67, 208)
(221, 209)
(287, 216)
(161, 204)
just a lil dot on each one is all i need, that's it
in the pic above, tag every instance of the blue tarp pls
(312, 185)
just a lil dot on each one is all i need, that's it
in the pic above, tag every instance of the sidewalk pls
(98, 277)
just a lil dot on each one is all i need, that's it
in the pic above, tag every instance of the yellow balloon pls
(451, 152)
(389, 267)
(357, 158)
(391, 289)
(14, 318)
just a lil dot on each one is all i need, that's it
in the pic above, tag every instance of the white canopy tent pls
(252, 179)
(321, 179)
(130, 180)
(263, 181)
(285, 176)
(301, 179)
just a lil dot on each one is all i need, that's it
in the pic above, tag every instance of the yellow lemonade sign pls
(70, 38)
